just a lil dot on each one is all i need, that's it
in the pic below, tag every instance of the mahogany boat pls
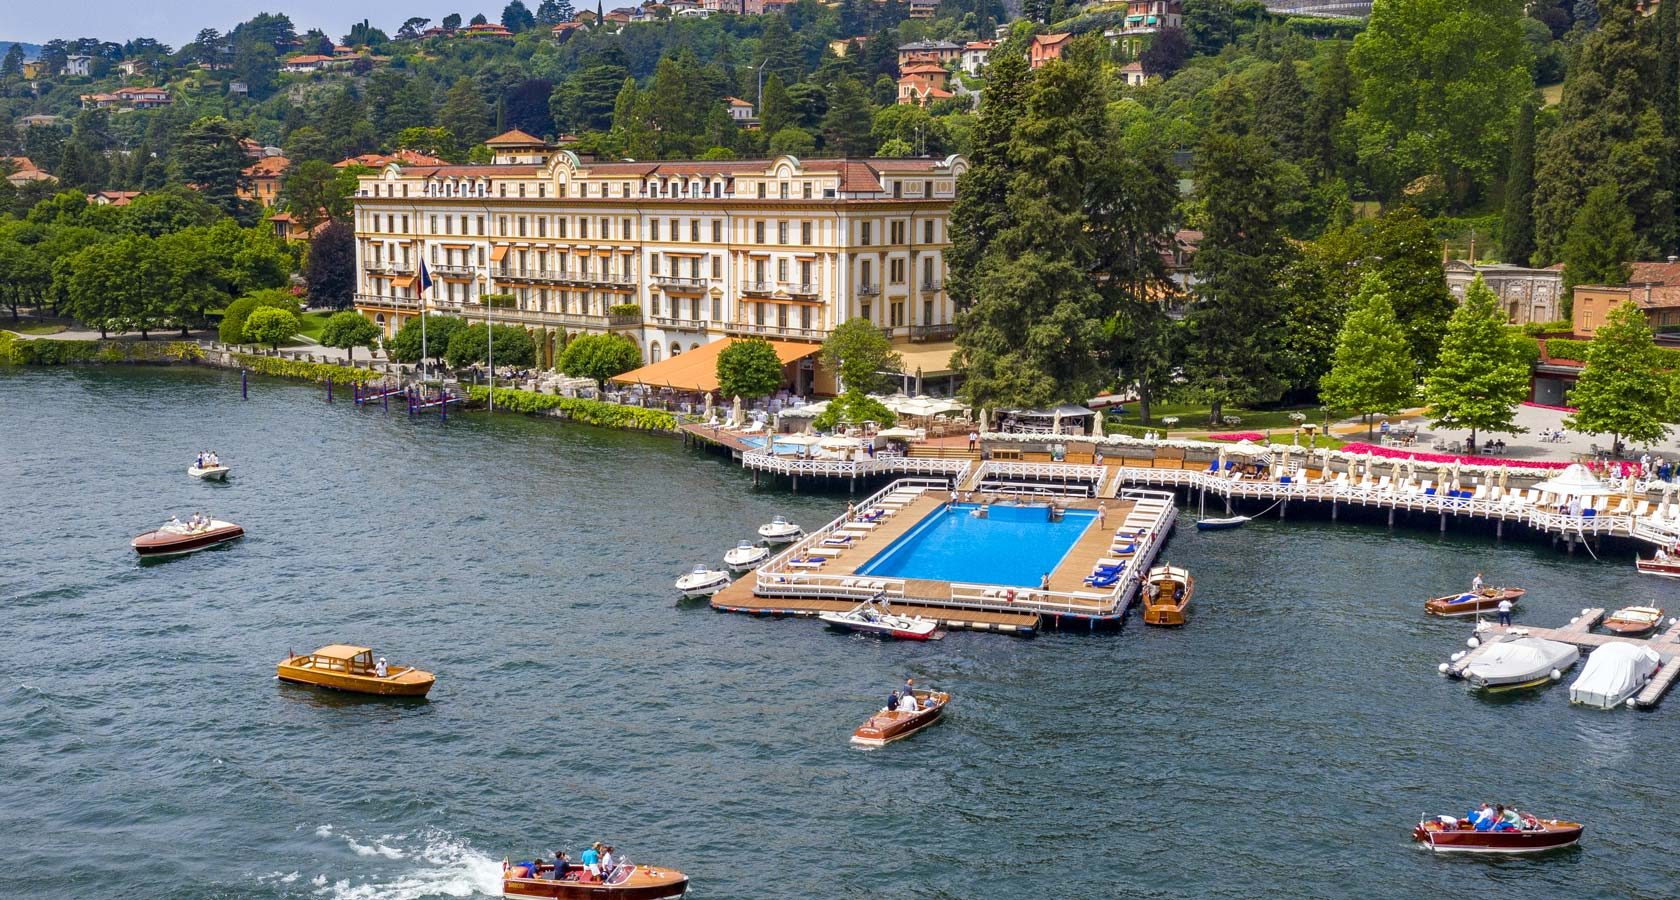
(890, 725)
(342, 667)
(625, 882)
(1472, 602)
(1445, 834)
(1633, 621)
(1166, 595)
(1662, 564)
(176, 537)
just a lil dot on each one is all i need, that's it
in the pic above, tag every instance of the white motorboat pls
(702, 582)
(1524, 662)
(874, 617)
(209, 473)
(780, 531)
(1613, 673)
(745, 557)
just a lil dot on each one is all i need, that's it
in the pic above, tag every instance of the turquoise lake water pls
(1012, 545)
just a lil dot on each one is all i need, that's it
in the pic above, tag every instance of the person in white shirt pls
(907, 703)
(379, 670)
(607, 861)
(1505, 612)
(1476, 584)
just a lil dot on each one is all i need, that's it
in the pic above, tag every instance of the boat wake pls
(437, 864)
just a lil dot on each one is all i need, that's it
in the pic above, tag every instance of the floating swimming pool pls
(1014, 545)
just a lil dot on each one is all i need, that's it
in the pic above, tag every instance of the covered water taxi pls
(343, 667)
(1166, 595)
(890, 725)
(626, 881)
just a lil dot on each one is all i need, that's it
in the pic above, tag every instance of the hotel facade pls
(674, 255)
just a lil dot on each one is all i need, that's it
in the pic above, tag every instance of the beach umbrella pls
(918, 380)
(708, 413)
(984, 420)
(1222, 458)
(1056, 423)
(1097, 426)
(1504, 473)
(738, 412)
(897, 434)
(1573, 481)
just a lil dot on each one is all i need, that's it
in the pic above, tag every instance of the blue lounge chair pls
(1102, 581)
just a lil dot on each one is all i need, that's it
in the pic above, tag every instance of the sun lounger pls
(823, 552)
(806, 564)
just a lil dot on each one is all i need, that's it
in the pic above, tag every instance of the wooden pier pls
(1666, 644)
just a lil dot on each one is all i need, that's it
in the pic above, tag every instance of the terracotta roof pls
(1051, 40)
(401, 157)
(1132, 67)
(855, 175)
(312, 58)
(268, 167)
(468, 171)
(737, 101)
(979, 45)
(1664, 273)
(515, 138)
(696, 370)
(20, 163)
(922, 68)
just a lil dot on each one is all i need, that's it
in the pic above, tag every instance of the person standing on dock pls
(1505, 613)
(1102, 514)
(1476, 584)
(973, 440)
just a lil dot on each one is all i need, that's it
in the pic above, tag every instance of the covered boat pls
(176, 537)
(873, 616)
(890, 725)
(209, 473)
(1633, 621)
(1166, 595)
(702, 582)
(745, 556)
(1521, 663)
(626, 881)
(1470, 603)
(1448, 834)
(343, 667)
(1222, 524)
(1613, 673)
(780, 531)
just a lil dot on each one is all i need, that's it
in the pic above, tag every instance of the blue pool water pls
(1014, 545)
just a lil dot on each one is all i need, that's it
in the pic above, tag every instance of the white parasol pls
(1246, 448)
(1574, 481)
(737, 418)
(897, 434)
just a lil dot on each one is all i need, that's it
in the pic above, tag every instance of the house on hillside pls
(143, 97)
(740, 110)
(112, 198)
(919, 84)
(564, 30)
(262, 180)
(1526, 295)
(1046, 47)
(487, 30)
(309, 63)
(923, 9)
(940, 52)
(77, 64)
(381, 160)
(975, 54)
(131, 67)
(99, 101)
(24, 171)
(41, 120)
(1132, 74)
(1653, 286)
(1144, 18)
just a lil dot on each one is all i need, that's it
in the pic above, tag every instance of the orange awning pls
(403, 281)
(497, 252)
(696, 370)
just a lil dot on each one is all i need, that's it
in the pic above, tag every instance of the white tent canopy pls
(1574, 481)
(1065, 411)
(808, 411)
(798, 440)
(1246, 448)
(898, 434)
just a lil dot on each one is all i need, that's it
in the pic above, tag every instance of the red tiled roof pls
(515, 138)
(268, 167)
(312, 58)
(1665, 273)
(923, 68)
(469, 171)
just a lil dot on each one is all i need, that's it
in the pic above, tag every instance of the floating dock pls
(1666, 644)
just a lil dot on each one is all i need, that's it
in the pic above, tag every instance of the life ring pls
(1010, 597)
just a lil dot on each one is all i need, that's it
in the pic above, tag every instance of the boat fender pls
(1556, 674)
(1458, 656)
(1630, 703)
(1442, 668)
(1473, 643)
(1574, 619)
(1586, 610)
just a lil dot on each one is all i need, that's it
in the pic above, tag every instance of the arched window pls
(694, 346)
(676, 349)
(653, 352)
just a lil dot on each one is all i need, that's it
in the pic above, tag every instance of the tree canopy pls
(1373, 370)
(268, 325)
(1480, 376)
(1624, 391)
(599, 356)
(348, 330)
(859, 352)
(749, 368)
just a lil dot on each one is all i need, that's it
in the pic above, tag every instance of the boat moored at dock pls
(873, 616)
(1633, 621)
(1470, 603)
(780, 531)
(1449, 834)
(175, 537)
(345, 667)
(626, 881)
(1521, 663)
(890, 725)
(745, 556)
(1613, 673)
(1166, 595)
(1223, 524)
(702, 582)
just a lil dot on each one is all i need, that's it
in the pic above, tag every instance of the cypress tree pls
(1600, 242)
(1519, 190)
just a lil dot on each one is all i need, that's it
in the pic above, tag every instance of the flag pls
(425, 278)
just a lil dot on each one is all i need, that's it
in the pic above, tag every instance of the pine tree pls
(464, 113)
(12, 65)
(1600, 243)
(1518, 222)
(1481, 376)
(1372, 370)
(846, 126)
(632, 129)
(775, 112)
(1623, 391)
(1331, 99)
(1279, 101)
(981, 211)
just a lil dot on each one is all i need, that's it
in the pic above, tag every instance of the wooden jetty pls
(1579, 633)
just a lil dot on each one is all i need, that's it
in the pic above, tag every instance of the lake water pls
(1280, 745)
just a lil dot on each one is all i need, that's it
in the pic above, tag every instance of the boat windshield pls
(621, 873)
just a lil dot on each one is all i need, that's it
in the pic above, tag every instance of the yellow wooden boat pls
(342, 667)
(1166, 595)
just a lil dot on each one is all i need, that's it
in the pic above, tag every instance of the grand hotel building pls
(674, 255)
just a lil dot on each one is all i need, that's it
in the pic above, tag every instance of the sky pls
(177, 22)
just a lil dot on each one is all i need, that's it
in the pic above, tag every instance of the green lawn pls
(312, 324)
(40, 328)
(1192, 417)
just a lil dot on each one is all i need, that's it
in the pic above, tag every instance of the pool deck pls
(783, 587)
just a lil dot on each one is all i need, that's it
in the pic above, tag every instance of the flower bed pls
(1491, 461)
(1254, 436)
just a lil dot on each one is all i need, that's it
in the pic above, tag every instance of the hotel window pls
(927, 312)
(927, 232)
(804, 317)
(405, 223)
(868, 233)
(449, 225)
(805, 273)
(717, 309)
(781, 232)
(717, 267)
(761, 190)
(521, 226)
(807, 190)
(624, 224)
(542, 189)
(390, 223)
(480, 231)
(717, 231)
(805, 233)
(583, 228)
(653, 229)
(781, 270)
(606, 227)
(898, 190)
(434, 225)
(864, 312)
(502, 225)
(758, 233)
(717, 189)
(868, 270)
(758, 271)
(542, 226)
(624, 189)
(560, 227)
(895, 270)
(897, 314)
(653, 264)
(927, 189)
(896, 229)
(694, 230)
(502, 189)
(521, 188)
(784, 190)
(927, 270)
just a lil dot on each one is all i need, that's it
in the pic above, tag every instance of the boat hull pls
(839, 621)
(1487, 601)
(648, 883)
(161, 543)
(1221, 524)
(402, 682)
(1670, 569)
(209, 473)
(1169, 608)
(1629, 629)
(780, 537)
(887, 726)
(1552, 835)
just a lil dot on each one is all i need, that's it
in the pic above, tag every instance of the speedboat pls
(1222, 524)
(890, 725)
(873, 617)
(1662, 564)
(626, 881)
(1471, 602)
(780, 531)
(702, 582)
(176, 537)
(209, 473)
(1449, 834)
(1522, 663)
(1633, 621)
(1166, 595)
(745, 556)
(1613, 673)
(342, 667)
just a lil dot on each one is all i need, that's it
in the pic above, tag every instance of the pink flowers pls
(1394, 453)
(1254, 436)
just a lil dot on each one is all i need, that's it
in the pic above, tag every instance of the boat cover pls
(1613, 673)
(1523, 659)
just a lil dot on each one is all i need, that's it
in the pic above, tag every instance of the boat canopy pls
(1613, 672)
(341, 651)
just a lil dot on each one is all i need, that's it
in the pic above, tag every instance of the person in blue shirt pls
(892, 701)
(591, 860)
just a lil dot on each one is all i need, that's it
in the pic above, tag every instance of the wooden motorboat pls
(1166, 595)
(625, 882)
(1521, 663)
(1662, 564)
(780, 531)
(209, 473)
(176, 537)
(343, 667)
(1222, 524)
(702, 582)
(1633, 621)
(1447, 834)
(890, 725)
(1470, 603)
(745, 557)
(873, 616)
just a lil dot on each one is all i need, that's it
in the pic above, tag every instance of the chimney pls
(1674, 259)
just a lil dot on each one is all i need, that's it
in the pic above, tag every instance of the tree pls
(854, 407)
(451, 21)
(1481, 375)
(464, 113)
(846, 126)
(469, 345)
(1166, 54)
(12, 65)
(363, 34)
(553, 12)
(270, 326)
(792, 141)
(411, 28)
(314, 191)
(860, 353)
(329, 269)
(1373, 370)
(1600, 242)
(438, 142)
(1623, 391)
(749, 368)
(478, 19)
(981, 210)
(1441, 83)
(599, 356)
(1279, 99)
(632, 122)
(207, 155)
(232, 330)
(348, 330)
(775, 109)
(516, 17)
(1399, 247)
(398, 100)
(1209, 25)
(404, 346)
(1517, 238)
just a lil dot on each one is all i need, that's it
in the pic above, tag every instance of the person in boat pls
(892, 701)
(909, 687)
(1476, 584)
(1481, 818)
(608, 861)
(591, 859)
(562, 865)
(199, 460)
(379, 669)
(908, 704)
(175, 522)
(214, 460)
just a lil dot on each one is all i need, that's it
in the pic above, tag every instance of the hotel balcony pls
(556, 276)
(922, 334)
(868, 290)
(679, 283)
(670, 323)
(789, 332)
(929, 287)
(800, 289)
(452, 271)
(763, 288)
(387, 268)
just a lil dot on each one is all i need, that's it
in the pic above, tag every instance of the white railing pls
(847, 468)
